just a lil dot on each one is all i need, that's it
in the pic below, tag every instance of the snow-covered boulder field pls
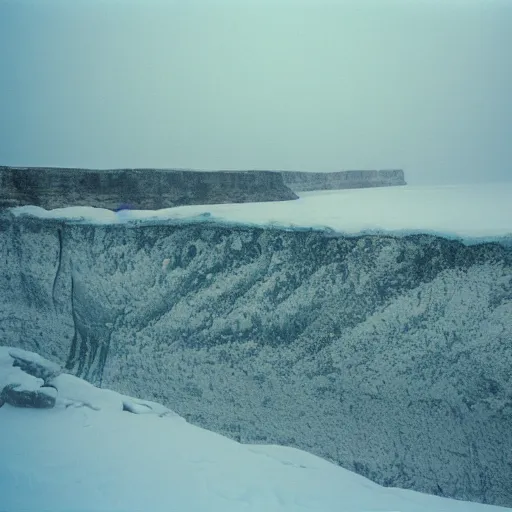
(366, 342)
(30, 381)
(90, 452)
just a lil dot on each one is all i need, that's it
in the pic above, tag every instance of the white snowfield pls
(467, 212)
(87, 454)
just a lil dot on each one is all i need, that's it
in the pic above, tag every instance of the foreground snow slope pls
(98, 457)
(462, 211)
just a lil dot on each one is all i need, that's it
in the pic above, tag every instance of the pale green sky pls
(307, 85)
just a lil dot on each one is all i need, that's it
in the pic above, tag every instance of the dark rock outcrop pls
(157, 188)
(388, 355)
(307, 181)
(17, 396)
(144, 189)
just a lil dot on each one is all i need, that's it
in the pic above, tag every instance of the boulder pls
(19, 396)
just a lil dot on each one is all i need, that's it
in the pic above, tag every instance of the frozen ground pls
(468, 212)
(87, 454)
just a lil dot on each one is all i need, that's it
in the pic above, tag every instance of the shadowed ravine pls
(390, 356)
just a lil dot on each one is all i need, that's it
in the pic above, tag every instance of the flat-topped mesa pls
(145, 189)
(306, 181)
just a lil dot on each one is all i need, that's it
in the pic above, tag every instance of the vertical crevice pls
(90, 343)
(103, 358)
(70, 363)
(82, 355)
(59, 266)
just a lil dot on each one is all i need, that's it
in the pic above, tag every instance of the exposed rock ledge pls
(306, 181)
(31, 381)
(144, 189)
(152, 189)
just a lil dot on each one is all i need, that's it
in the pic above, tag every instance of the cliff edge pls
(307, 181)
(141, 189)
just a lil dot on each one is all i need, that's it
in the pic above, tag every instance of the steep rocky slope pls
(390, 356)
(157, 188)
(306, 181)
(137, 188)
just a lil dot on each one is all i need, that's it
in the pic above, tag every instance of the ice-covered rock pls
(22, 381)
(23, 384)
(36, 397)
(35, 365)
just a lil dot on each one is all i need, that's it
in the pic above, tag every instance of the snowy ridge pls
(472, 213)
(94, 455)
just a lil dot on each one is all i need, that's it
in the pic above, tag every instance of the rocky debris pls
(76, 404)
(21, 389)
(146, 407)
(38, 398)
(25, 379)
(140, 189)
(35, 365)
(22, 384)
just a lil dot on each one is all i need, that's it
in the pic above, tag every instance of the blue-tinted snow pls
(89, 454)
(471, 213)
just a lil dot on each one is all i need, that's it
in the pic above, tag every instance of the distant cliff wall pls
(152, 189)
(139, 188)
(305, 181)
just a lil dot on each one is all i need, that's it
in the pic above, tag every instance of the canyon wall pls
(390, 356)
(141, 189)
(308, 181)
(152, 189)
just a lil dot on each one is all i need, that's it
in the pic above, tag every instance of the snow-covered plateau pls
(369, 327)
(94, 449)
(471, 213)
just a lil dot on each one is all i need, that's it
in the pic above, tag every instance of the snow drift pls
(89, 453)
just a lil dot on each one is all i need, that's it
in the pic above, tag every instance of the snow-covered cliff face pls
(390, 356)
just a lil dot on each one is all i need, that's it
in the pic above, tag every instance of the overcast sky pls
(256, 84)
